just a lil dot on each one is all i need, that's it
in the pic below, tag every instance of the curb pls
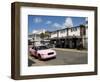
(72, 50)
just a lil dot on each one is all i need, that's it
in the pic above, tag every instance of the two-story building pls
(70, 37)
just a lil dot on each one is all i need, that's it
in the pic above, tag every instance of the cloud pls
(37, 20)
(68, 23)
(56, 26)
(48, 22)
(63, 26)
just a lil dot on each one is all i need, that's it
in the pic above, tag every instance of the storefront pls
(68, 42)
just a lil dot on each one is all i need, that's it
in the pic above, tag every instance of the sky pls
(52, 23)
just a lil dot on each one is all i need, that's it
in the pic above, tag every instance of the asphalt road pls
(64, 57)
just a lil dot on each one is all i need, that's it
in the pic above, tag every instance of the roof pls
(65, 29)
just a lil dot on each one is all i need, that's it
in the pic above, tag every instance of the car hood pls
(45, 51)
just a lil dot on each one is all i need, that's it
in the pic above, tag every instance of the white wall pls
(62, 34)
(86, 32)
(53, 35)
(76, 33)
(5, 41)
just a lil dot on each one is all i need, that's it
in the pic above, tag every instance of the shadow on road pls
(48, 59)
(30, 62)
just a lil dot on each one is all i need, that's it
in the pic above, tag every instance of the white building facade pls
(34, 37)
(70, 37)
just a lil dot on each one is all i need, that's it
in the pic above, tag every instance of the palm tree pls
(47, 34)
(82, 29)
(82, 33)
(42, 35)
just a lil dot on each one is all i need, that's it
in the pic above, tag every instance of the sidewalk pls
(71, 50)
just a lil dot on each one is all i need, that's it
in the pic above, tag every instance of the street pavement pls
(64, 57)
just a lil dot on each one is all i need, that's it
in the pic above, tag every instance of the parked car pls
(42, 52)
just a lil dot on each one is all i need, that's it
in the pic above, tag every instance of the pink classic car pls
(42, 52)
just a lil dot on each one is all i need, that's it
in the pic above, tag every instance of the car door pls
(34, 51)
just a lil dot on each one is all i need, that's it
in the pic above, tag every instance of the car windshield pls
(42, 47)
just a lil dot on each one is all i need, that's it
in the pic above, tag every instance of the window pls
(75, 28)
(62, 31)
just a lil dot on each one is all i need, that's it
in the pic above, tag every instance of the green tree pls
(42, 35)
(45, 35)
(82, 29)
(82, 33)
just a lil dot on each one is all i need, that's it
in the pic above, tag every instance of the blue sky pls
(51, 23)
